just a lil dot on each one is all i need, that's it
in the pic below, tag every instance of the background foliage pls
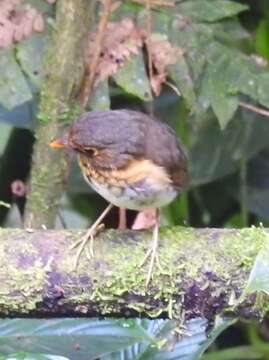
(222, 76)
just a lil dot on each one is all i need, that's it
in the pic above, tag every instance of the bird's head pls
(108, 139)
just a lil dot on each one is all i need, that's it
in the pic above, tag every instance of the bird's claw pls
(82, 244)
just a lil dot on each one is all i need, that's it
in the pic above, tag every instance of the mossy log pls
(201, 272)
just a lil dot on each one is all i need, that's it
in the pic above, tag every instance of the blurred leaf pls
(241, 73)
(5, 131)
(258, 280)
(22, 116)
(78, 339)
(30, 54)
(99, 99)
(215, 153)
(230, 31)
(14, 90)
(44, 6)
(208, 11)
(258, 185)
(2, 203)
(224, 104)
(187, 347)
(127, 9)
(32, 356)
(262, 39)
(235, 353)
(181, 76)
(132, 77)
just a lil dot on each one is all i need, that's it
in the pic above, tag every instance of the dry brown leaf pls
(18, 23)
(156, 82)
(121, 41)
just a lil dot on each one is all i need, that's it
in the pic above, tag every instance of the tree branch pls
(90, 70)
(202, 273)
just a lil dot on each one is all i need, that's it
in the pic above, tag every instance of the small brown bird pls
(130, 159)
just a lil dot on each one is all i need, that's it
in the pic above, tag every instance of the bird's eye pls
(91, 151)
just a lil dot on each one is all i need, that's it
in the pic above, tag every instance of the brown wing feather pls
(164, 149)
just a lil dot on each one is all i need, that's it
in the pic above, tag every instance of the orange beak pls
(58, 143)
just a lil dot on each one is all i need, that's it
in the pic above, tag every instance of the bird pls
(132, 160)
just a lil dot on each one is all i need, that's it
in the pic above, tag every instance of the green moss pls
(114, 280)
(122, 275)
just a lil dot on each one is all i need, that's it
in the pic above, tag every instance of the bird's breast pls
(138, 186)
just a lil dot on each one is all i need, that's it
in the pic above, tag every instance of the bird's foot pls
(96, 227)
(152, 253)
(153, 257)
(82, 243)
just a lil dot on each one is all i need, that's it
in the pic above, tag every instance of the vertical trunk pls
(64, 67)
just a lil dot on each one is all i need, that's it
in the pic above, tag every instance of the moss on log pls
(202, 272)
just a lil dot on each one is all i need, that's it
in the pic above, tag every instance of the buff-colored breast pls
(140, 185)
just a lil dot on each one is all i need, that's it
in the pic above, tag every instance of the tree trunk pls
(64, 69)
(202, 272)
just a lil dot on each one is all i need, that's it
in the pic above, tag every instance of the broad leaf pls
(78, 339)
(182, 78)
(258, 280)
(133, 79)
(32, 356)
(208, 11)
(99, 99)
(22, 116)
(30, 54)
(224, 104)
(241, 73)
(190, 345)
(14, 90)
(217, 153)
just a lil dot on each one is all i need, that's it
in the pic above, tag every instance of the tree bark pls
(201, 272)
(64, 70)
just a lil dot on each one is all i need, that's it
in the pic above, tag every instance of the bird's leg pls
(122, 219)
(91, 232)
(152, 251)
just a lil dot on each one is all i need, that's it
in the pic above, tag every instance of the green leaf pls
(206, 164)
(30, 54)
(190, 346)
(133, 79)
(22, 116)
(181, 76)
(241, 73)
(258, 280)
(78, 339)
(262, 39)
(236, 353)
(5, 131)
(32, 356)
(99, 99)
(14, 90)
(45, 7)
(224, 104)
(210, 11)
